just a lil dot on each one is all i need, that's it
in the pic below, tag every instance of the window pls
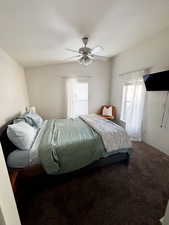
(128, 99)
(77, 97)
(81, 99)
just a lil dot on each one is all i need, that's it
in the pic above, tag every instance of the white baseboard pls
(155, 145)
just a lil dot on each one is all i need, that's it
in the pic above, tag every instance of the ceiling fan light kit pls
(85, 60)
(87, 55)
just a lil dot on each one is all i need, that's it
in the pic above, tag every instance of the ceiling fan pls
(86, 55)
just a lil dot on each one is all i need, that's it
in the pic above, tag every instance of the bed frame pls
(15, 174)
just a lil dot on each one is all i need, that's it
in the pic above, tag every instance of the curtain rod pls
(133, 71)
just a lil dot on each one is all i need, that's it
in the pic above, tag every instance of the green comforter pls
(68, 145)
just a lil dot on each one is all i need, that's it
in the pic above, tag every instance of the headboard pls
(7, 145)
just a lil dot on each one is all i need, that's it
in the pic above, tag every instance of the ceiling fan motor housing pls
(85, 51)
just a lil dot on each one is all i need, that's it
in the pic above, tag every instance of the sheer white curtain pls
(134, 114)
(76, 97)
(70, 97)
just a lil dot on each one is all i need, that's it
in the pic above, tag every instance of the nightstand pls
(13, 174)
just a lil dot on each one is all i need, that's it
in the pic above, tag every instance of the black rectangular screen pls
(157, 81)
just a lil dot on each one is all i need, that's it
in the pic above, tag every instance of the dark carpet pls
(120, 194)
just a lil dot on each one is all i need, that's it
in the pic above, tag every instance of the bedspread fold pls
(68, 145)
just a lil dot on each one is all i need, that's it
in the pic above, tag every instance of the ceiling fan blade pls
(72, 50)
(99, 57)
(73, 57)
(91, 56)
(97, 49)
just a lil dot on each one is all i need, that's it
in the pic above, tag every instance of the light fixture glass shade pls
(85, 60)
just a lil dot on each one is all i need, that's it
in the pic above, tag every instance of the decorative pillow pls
(31, 118)
(25, 119)
(36, 119)
(22, 135)
(107, 111)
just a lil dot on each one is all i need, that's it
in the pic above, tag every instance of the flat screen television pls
(157, 81)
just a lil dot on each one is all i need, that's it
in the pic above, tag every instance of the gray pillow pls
(18, 159)
(22, 135)
(31, 118)
(36, 119)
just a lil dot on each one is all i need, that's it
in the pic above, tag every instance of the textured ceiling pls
(37, 32)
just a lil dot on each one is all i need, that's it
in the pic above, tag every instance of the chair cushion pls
(107, 111)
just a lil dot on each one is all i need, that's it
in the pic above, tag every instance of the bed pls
(64, 146)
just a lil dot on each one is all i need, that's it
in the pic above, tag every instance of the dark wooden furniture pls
(22, 173)
(13, 174)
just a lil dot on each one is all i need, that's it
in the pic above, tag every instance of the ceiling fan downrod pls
(85, 40)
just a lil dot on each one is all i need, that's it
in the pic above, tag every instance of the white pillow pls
(107, 111)
(22, 135)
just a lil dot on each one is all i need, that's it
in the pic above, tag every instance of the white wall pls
(13, 90)
(2, 221)
(13, 99)
(152, 53)
(8, 210)
(46, 86)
